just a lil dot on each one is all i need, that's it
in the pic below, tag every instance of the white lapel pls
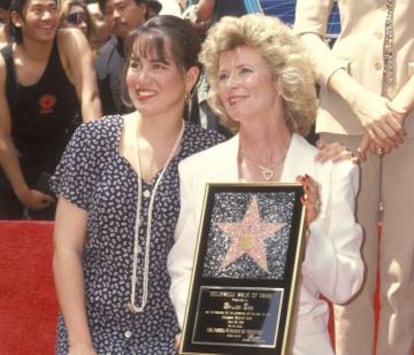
(223, 166)
(300, 159)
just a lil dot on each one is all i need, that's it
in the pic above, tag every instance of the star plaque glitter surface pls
(249, 235)
(247, 262)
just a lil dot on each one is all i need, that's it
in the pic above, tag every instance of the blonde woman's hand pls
(310, 199)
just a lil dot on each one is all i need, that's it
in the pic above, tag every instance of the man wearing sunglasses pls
(77, 18)
(47, 80)
(75, 13)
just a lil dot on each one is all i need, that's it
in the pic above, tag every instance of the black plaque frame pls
(230, 311)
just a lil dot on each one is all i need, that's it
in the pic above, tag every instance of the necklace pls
(268, 172)
(131, 304)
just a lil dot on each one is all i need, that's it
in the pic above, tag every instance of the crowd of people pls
(102, 131)
(60, 66)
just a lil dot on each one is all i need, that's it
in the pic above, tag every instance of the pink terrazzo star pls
(248, 236)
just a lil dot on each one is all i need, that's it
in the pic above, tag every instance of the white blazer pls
(332, 266)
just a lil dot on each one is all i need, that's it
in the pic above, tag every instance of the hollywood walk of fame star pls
(248, 236)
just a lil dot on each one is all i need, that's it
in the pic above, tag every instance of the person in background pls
(154, 8)
(100, 31)
(367, 103)
(4, 22)
(47, 82)
(263, 84)
(170, 7)
(118, 192)
(4, 11)
(123, 16)
(202, 15)
(208, 12)
(74, 13)
(183, 4)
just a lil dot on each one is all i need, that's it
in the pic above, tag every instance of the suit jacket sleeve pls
(333, 264)
(311, 22)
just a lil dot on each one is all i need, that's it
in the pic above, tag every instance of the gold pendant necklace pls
(131, 304)
(267, 173)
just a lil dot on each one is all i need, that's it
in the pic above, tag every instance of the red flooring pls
(28, 305)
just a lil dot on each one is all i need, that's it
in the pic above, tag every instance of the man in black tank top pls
(47, 81)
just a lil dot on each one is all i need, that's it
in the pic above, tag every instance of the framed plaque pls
(245, 271)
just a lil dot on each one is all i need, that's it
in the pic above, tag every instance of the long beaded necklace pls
(131, 304)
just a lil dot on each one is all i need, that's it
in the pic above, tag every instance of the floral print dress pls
(95, 177)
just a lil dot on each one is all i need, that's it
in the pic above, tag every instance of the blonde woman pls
(262, 83)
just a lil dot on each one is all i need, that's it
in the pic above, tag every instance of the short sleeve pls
(77, 170)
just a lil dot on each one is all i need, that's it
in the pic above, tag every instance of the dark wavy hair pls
(151, 37)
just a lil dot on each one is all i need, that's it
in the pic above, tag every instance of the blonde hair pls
(284, 55)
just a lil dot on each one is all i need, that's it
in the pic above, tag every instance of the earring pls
(187, 98)
(188, 105)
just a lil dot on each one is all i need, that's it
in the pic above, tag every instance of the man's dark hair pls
(102, 4)
(18, 6)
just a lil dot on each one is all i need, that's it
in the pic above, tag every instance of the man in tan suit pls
(367, 102)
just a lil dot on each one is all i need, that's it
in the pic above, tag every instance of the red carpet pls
(28, 306)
